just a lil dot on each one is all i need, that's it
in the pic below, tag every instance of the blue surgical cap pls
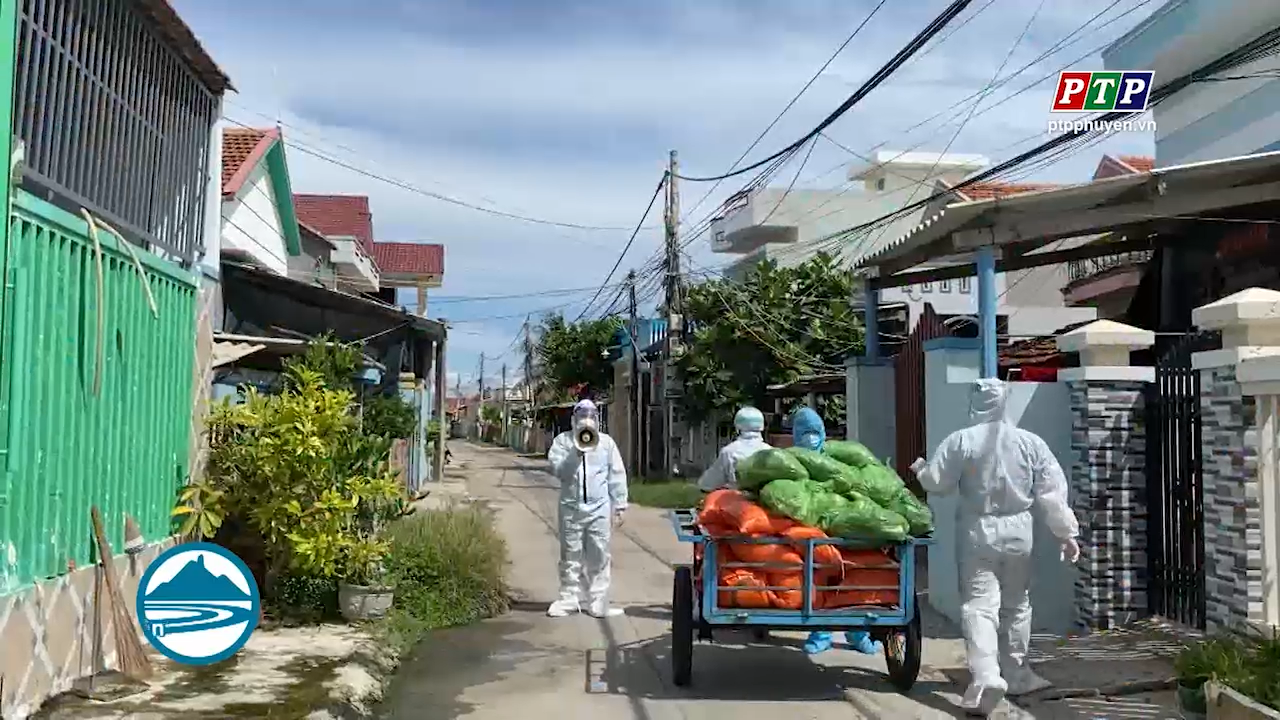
(808, 430)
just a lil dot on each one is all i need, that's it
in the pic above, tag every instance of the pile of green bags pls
(845, 491)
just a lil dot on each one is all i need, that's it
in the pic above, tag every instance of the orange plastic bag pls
(875, 576)
(828, 555)
(791, 598)
(752, 592)
(730, 509)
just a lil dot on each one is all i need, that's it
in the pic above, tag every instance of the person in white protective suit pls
(1000, 472)
(810, 432)
(749, 422)
(593, 499)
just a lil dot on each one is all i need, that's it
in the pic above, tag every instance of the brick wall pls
(1232, 506)
(1108, 441)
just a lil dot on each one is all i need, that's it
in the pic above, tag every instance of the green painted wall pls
(64, 447)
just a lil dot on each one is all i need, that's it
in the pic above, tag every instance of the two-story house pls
(113, 116)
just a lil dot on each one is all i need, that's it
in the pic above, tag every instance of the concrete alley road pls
(528, 666)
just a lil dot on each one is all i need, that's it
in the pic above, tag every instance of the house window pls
(718, 238)
(944, 286)
(880, 184)
(964, 285)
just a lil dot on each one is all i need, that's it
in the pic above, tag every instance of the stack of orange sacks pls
(729, 514)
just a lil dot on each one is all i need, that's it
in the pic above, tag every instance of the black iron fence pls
(1175, 483)
(113, 119)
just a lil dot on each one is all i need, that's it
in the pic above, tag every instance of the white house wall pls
(1207, 120)
(252, 225)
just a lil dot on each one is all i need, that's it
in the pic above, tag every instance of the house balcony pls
(1106, 282)
(353, 265)
(749, 221)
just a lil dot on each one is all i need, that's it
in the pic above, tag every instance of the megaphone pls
(585, 436)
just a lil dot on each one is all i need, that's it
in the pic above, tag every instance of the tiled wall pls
(1233, 511)
(52, 635)
(1108, 440)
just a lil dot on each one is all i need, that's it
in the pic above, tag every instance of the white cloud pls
(572, 124)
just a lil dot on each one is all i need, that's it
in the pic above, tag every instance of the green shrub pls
(1248, 664)
(306, 599)
(448, 567)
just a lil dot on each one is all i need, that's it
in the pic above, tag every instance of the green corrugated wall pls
(62, 448)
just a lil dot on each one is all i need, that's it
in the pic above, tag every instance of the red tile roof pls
(242, 148)
(1140, 163)
(337, 215)
(396, 258)
(996, 189)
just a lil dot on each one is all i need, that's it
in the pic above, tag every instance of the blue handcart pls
(695, 610)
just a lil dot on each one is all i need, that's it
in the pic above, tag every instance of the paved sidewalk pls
(527, 665)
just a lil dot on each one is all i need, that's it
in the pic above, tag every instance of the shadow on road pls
(775, 671)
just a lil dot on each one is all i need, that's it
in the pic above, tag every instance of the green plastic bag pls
(851, 453)
(794, 499)
(918, 515)
(766, 466)
(860, 518)
(823, 468)
(875, 481)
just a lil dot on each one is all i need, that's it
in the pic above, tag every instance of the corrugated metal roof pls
(1211, 175)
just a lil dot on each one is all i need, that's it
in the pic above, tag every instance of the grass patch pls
(448, 567)
(665, 494)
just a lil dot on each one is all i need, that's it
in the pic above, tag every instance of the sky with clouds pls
(565, 110)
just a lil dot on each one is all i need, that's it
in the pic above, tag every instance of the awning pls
(267, 300)
(229, 348)
(1032, 220)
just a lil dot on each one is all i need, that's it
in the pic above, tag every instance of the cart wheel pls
(902, 652)
(760, 634)
(682, 626)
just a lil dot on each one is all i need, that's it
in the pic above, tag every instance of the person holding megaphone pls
(593, 499)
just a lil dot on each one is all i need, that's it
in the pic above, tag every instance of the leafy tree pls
(575, 354)
(774, 326)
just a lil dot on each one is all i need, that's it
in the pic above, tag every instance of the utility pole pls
(528, 362)
(504, 402)
(636, 410)
(480, 410)
(674, 305)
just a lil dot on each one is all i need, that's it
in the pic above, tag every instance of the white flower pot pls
(360, 602)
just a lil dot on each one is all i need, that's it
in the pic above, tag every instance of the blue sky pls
(565, 110)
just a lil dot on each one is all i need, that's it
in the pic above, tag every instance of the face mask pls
(810, 441)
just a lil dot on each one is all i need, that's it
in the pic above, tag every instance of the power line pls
(872, 242)
(792, 102)
(1264, 45)
(1061, 44)
(307, 150)
(648, 209)
(923, 37)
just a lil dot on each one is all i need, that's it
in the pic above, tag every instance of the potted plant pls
(1221, 659)
(364, 592)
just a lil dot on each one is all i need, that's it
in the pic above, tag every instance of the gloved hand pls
(1070, 550)
(618, 517)
(917, 466)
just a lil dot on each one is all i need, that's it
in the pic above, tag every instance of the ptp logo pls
(1126, 91)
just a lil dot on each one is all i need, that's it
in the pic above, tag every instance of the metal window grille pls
(113, 120)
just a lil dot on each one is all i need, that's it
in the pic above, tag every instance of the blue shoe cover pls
(818, 642)
(862, 642)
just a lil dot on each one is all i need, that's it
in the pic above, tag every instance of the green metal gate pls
(94, 409)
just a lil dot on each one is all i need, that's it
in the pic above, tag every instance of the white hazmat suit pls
(749, 422)
(1000, 472)
(593, 496)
